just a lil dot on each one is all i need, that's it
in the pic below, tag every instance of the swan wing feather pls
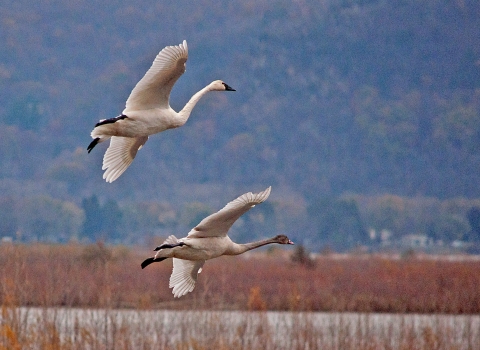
(184, 276)
(120, 154)
(153, 90)
(218, 224)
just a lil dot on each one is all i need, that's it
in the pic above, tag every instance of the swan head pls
(219, 85)
(282, 239)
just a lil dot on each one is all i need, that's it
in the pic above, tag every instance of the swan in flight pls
(208, 240)
(147, 111)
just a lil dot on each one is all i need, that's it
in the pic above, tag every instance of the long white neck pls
(242, 248)
(185, 112)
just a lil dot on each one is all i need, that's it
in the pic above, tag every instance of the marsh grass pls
(38, 328)
(97, 297)
(96, 276)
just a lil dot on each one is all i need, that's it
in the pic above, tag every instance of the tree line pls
(338, 106)
(338, 223)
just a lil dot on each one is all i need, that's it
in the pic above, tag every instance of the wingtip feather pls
(262, 196)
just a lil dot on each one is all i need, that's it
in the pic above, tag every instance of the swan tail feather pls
(171, 240)
(169, 243)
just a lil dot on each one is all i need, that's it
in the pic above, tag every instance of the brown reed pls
(110, 277)
(66, 328)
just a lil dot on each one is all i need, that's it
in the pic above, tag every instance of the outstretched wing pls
(184, 276)
(218, 224)
(153, 90)
(120, 154)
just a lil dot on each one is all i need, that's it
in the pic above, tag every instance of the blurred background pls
(363, 116)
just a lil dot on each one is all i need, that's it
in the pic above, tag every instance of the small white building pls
(415, 241)
(7, 240)
(383, 236)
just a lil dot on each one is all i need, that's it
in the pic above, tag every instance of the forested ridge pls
(361, 115)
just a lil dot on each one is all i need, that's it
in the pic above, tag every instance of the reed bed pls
(97, 297)
(66, 328)
(96, 276)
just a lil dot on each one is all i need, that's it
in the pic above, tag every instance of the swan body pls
(147, 111)
(208, 240)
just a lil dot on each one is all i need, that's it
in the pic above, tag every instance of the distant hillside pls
(333, 97)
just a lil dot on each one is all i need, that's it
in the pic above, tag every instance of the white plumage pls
(184, 276)
(147, 111)
(208, 240)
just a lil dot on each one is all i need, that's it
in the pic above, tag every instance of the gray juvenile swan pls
(147, 111)
(208, 240)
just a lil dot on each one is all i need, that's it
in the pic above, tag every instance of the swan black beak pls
(290, 242)
(228, 88)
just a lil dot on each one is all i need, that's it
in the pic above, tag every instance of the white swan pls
(208, 240)
(147, 111)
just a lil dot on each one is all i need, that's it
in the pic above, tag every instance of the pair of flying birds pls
(147, 112)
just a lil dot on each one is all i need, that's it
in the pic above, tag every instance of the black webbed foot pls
(149, 261)
(111, 120)
(93, 144)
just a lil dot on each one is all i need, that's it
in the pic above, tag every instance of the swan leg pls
(111, 120)
(93, 144)
(164, 246)
(149, 261)
(97, 140)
